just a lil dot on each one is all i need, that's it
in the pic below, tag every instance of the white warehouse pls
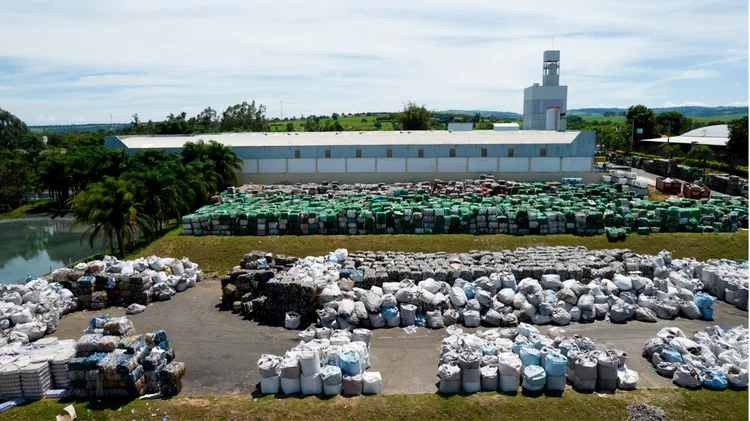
(380, 156)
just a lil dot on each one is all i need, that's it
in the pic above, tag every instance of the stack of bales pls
(555, 285)
(504, 359)
(30, 371)
(517, 208)
(115, 362)
(714, 358)
(108, 282)
(325, 362)
(30, 311)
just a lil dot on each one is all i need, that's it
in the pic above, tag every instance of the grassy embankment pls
(621, 118)
(219, 254)
(679, 404)
(39, 207)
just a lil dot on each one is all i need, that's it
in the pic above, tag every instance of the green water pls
(34, 247)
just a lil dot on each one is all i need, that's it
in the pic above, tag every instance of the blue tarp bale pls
(349, 363)
(555, 364)
(714, 378)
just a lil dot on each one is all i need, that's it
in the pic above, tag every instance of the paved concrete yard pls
(221, 349)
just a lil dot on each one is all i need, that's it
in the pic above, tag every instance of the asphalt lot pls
(220, 349)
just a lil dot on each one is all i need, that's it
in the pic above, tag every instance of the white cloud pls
(151, 57)
(80, 120)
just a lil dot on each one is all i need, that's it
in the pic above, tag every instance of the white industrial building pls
(715, 136)
(393, 156)
(544, 106)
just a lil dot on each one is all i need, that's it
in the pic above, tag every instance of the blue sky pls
(80, 61)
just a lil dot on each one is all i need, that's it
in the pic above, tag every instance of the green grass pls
(348, 123)
(679, 404)
(621, 119)
(219, 254)
(37, 207)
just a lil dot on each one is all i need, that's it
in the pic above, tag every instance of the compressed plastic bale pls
(449, 372)
(627, 379)
(555, 383)
(561, 317)
(289, 368)
(469, 359)
(714, 378)
(646, 301)
(606, 369)
(621, 312)
(372, 382)
(430, 285)
(529, 356)
(586, 369)
(527, 308)
(352, 385)
(505, 296)
(539, 319)
(687, 376)
(270, 385)
(269, 365)
(622, 282)
(468, 385)
(669, 333)
(290, 386)
(575, 314)
(472, 318)
(534, 378)
(736, 377)
(730, 356)
(450, 317)
(434, 319)
(331, 375)
(322, 333)
(489, 378)
(376, 320)
(509, 364)
(554, 364)
(473, 304)
(309, 362)
(585, 302)
(509, 384)
(551, 281)
(683, 345)
(449, 387)
(292, 320)
(457, 297)
(311, 385)
(665, 310)
(491, 318)
(483, 297)
(362, 335)
(690, 310)
(567, 295)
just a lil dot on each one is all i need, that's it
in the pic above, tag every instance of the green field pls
(621, 119)
(349, 123)
(678, 404)
(219, 254)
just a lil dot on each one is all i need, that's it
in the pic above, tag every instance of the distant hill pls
(76, 128)
(485, 113)
(686, 111)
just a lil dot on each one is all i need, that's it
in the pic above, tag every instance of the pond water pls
(34, 247)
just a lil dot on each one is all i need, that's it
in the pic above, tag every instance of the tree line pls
(116, 195)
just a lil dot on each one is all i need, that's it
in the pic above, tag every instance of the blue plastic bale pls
(389, 312)
(517, 346)
(708, 313)
(671, 355)
(349, 363)
(469, 290)
(489, 349)
(703, 300)
(420, 320)
(555, 364)
(567, 346)
(529, 356)
(714, 378)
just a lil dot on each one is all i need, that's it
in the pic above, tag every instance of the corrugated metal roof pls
(357, 138)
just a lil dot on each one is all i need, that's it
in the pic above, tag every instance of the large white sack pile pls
(509, 358)
(713, 358)
(673, 288)
(31, 310)
(325, 362)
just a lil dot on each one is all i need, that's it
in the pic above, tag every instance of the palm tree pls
(670, 150)
(109, 207)
(224, 162)
(161, 193)
(700, 153)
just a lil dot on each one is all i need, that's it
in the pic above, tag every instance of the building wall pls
(588, 177)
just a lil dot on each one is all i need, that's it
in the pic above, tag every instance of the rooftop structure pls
(544, 106)
(717, 135)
